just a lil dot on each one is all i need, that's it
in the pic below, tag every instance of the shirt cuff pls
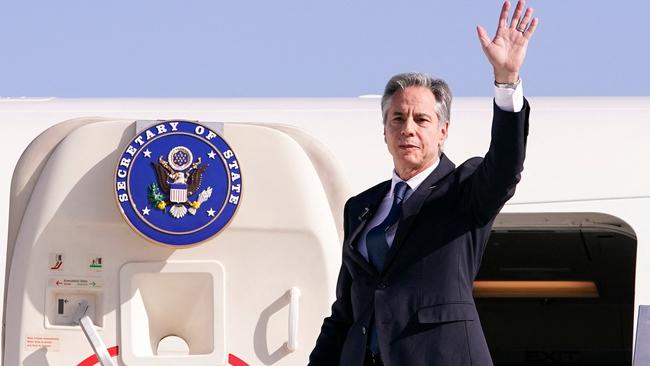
(509, 99)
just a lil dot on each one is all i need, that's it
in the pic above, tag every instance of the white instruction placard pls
(34, 342)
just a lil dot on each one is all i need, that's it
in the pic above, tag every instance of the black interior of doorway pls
(560, 330)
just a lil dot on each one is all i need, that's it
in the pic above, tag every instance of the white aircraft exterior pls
(567, 260)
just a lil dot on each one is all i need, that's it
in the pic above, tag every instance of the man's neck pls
(406, 174)
(417, 179)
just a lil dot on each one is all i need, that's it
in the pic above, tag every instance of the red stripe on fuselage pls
(92, 360)
(114, 351)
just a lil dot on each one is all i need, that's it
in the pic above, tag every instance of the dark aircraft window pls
(558, 297)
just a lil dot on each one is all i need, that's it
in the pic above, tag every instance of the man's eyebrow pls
(422, 114)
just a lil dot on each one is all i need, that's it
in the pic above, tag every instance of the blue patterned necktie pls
(377, 245)
(376, 238)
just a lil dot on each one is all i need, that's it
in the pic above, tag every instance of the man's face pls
(412, 132)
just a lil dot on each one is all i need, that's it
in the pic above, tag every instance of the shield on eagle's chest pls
(178, 192)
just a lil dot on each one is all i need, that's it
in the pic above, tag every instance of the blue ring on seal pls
(178, 183)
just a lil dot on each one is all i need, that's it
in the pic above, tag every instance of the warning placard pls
(75, 282)
(37, 342)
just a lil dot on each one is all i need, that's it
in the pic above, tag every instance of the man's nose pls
(408, 128)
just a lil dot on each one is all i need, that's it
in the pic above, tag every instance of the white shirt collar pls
(415, 181)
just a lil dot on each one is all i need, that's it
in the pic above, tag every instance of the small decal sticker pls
(56, 261)
(36, 342)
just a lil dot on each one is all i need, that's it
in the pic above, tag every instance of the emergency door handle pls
(92, 336)
(294, 299)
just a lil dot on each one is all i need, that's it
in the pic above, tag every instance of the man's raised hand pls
(507, 51)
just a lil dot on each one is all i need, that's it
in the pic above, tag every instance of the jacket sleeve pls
(494, 180)
(335, 327)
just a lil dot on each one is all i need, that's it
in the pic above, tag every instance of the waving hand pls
(507, 50)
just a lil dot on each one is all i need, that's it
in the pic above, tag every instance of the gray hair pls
(438, 87)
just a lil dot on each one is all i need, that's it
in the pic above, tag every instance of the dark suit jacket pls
(423, 299)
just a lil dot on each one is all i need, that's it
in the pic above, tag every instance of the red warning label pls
(38, 342)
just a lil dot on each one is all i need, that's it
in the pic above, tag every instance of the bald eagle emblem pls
(179, 178)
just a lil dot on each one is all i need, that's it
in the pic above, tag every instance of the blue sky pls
(211, 48)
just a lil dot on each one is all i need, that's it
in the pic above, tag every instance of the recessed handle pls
(294, 300)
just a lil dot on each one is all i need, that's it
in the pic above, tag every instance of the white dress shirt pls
(507, 99)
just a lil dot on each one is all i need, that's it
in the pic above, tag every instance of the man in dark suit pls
(413, 244)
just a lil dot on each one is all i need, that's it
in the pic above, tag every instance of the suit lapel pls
(360, 214)
(413, 204)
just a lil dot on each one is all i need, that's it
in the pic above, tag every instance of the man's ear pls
(444, 131)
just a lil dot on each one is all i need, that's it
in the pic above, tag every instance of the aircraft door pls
(179, 247)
